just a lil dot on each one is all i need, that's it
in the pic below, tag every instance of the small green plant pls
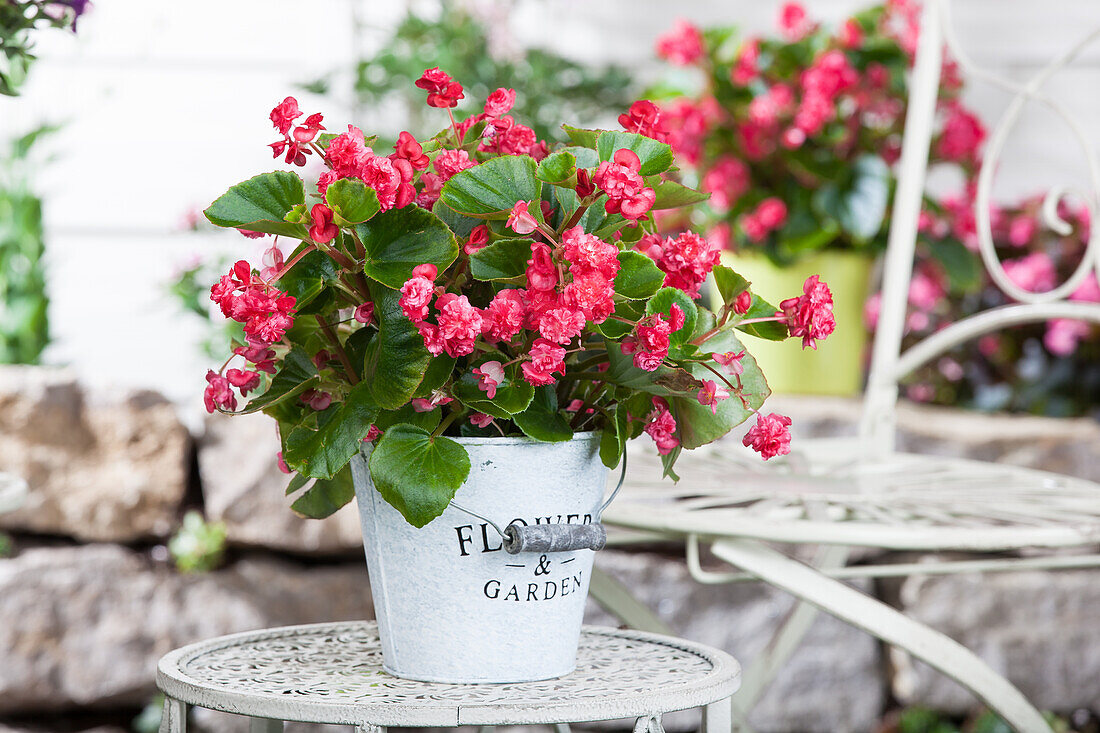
(18, 20)
(7, 546)
(148, 720)
(24, 328)
(199, 546)
(549, 88)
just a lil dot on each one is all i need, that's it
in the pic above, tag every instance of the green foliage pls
(7, 545)
(398, 240)
(549, 88)
(19, 21)
(148, 720)
(198, 546)
(417, 473)
(490, 190)
(261, 204)
(24, 326)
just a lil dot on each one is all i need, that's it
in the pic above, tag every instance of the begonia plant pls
(477, 283)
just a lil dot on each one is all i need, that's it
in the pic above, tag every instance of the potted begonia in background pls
(466, 336)
(795, 138)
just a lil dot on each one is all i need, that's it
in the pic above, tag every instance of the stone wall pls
(89, 602)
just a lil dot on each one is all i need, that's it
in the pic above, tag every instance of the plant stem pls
(293, 261)
(446, 423)
(342, 355)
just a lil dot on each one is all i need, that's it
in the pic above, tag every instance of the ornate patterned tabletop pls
(332, 673)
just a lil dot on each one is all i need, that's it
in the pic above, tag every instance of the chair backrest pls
(889, 363)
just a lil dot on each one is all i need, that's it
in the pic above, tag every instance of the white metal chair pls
(843, 493)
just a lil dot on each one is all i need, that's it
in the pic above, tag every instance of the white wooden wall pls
(165, 104)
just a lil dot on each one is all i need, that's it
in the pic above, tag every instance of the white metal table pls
(332, 673)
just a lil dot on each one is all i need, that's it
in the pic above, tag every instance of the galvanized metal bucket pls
(452, 604)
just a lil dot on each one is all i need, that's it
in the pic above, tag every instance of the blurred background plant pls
(24, 325)
(796, 136)
(924, 720)
(549, 87)
(18, 21)
(198, 546)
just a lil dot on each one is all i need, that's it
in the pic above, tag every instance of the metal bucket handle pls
(517, 538)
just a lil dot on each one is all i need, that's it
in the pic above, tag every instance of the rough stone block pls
(98, 468)
(85, 626)
(243, 487)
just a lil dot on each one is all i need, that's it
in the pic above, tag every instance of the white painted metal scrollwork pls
(889, 364)
(333, 672)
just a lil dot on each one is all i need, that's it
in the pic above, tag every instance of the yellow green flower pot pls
(836, 367)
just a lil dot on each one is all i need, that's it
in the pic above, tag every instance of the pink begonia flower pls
(480, 419)
(676, 317)
(407, 148)
(770, 436)
(479, 238)
(323, 229)
(686, 260)
(436, 398)
(1021, 230)
(316, 399)
(430, 189)
(645, 118)
(592, 294)
(1064, 334)
(793, 23)
(490, 375)
(450, 162)
(589, 252)
(504, 317)
(726, 181)
(743, 303)
(546, 357)
(307, 131)
(1035, 272)
(561, 325)
(284, 114)
(373, 434)
(364, 313)
(962, 136)
(920, 392)
(218, 393)
(322, 358)
(520, 221)
(810, 315)
(710, 394)
(442, 90)
(851, 34)
(459, 324)
(745, 69)
(651, 342)
(1088, 291)
(427, 271)
(683, 45)
(772, 212)
(541, 272)
(731, 362)
(626, 191)
(282, 463)
(244, 380)
(273, 263)
(500, 102)
(416, 295)
(661, 426)
(871, 309)
(925, 291)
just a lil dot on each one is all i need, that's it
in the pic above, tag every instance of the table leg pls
(264, 725)
(173, 717)
(371, 728)
(718, 717)
(848, 604)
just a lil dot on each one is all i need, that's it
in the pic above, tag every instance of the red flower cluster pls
(810, 315)
(685, 260)
(443, 91)
(661, 426)
(265, 311)
(625, 188)
(769, 215)
(644, 118)
(295, 144)
(770, 436)
(683, 45)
